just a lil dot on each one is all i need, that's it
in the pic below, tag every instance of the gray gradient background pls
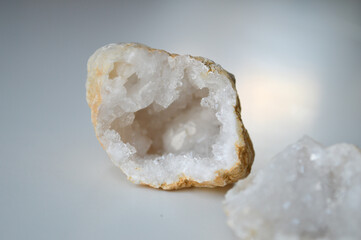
(298, 66)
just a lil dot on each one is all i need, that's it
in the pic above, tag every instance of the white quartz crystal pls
(168, 121)
(305, 192)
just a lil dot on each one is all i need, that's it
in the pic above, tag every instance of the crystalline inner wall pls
(183, 126)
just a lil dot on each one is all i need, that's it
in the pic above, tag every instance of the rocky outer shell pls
(243, 146)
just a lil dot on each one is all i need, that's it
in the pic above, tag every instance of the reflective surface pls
(298, 67)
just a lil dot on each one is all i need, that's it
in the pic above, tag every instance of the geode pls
(305, 192)
(166, 120)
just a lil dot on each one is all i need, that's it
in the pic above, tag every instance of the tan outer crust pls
(244, 146)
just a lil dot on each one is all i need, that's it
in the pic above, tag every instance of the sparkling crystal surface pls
(305, 192)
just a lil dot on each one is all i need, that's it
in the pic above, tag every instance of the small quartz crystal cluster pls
(305, 192)
(166, 120)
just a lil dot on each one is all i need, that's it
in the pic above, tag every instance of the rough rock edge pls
(243, 146)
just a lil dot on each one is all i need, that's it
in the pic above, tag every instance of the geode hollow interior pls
(168, 121)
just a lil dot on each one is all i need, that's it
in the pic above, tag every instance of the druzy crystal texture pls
(166, 120)
(305, 192)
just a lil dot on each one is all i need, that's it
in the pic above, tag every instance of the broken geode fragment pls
(168, 121)
(305, 192)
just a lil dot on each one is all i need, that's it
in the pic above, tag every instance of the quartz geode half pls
(168, 121)
(306, 192)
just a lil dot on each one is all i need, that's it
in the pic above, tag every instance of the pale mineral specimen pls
(168, 121)
(305, 192)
